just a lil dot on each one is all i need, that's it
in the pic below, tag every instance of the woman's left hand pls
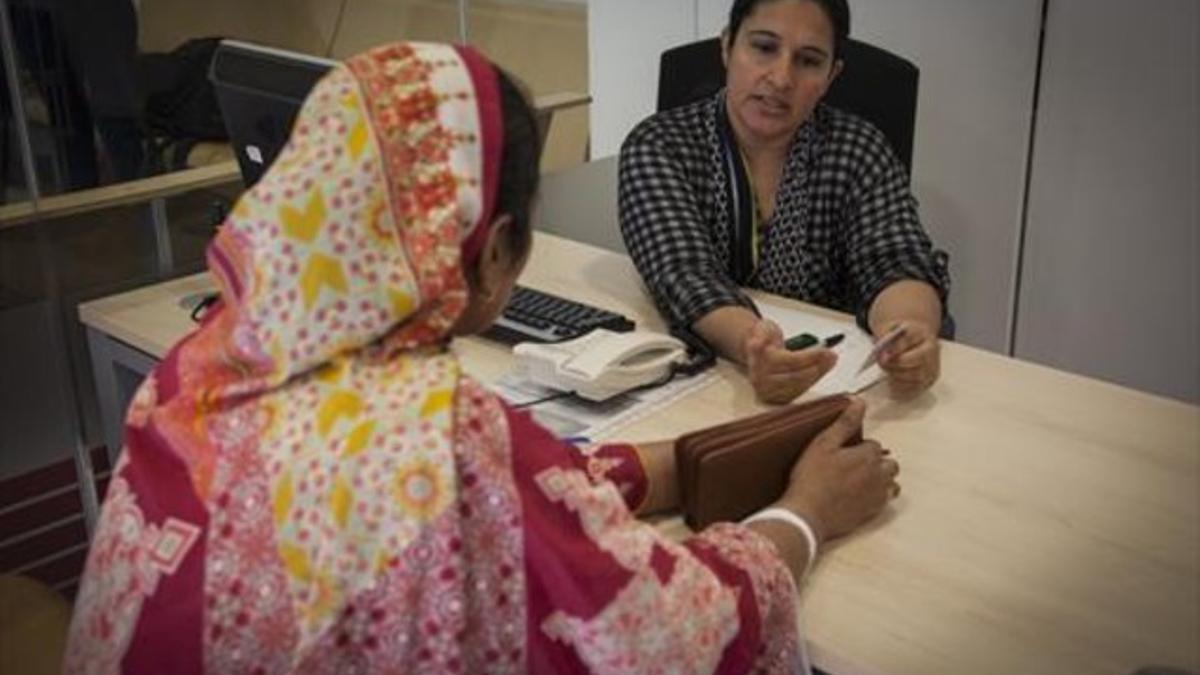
(913, 363)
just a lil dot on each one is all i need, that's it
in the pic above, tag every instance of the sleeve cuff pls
(621, 465)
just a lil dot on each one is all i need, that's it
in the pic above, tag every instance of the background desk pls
(1049, 523)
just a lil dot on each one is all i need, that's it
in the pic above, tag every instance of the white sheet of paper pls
(851, 352)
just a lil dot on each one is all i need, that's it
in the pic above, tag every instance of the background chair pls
(875, 84)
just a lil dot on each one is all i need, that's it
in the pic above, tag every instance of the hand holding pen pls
(779, 372)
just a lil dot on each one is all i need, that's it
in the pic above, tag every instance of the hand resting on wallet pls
(838, 483)
(834, 486)
(838, 487)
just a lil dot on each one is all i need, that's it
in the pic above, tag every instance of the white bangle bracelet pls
(781, 514)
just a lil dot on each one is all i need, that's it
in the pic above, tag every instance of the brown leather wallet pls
(731, 470)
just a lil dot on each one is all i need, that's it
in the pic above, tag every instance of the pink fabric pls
(488, 99)
(311, 484)
(608, 594)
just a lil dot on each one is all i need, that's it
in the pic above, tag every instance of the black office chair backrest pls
(875, 84)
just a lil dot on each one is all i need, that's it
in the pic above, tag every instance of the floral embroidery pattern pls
(685, 621)
(128, 559)
(771, 582)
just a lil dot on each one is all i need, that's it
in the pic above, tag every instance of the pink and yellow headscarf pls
(351, 245)
(388, 181)
(308, 483)
(321, 391)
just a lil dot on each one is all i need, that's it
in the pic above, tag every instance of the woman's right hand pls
(837, 487)
(777, 374)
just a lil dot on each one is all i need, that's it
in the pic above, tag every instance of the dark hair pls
(519, 162)
(838, 12)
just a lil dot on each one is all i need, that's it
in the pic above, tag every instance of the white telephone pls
(602, 363)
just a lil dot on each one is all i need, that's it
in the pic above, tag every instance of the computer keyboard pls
(534, 316)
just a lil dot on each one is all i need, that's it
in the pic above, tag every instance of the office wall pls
(625, 39)
(1110, 285)
(301, 25)
(578, 203)
(978, 64)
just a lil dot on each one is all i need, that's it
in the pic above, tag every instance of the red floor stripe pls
(48, 478)
(43, 545)
(39, 514)
(39, 481)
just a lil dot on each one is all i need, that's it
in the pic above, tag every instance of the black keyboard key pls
(541, 317)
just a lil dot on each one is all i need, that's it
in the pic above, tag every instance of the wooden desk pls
(1049, 523)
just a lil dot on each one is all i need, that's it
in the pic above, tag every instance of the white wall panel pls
(625, 39)
(978, 62)
(711, 16)
(1110, 285)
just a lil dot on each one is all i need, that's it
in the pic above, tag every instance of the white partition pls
(625, 39)
(1110, 286)
(579, 203)
(978, 68)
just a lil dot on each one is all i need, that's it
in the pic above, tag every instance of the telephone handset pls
(602, 363)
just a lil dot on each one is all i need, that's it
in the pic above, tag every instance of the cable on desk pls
(544, 399)
(201, 308)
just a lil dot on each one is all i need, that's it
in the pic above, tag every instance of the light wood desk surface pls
(1049, 523)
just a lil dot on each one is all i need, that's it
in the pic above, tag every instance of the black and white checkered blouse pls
(845, 224)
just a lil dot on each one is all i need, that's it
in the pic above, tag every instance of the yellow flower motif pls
(331, 373)
(420, 489)
(326, 598)
(402, 303)
(295, 561)
(379, 220)
(357, 140)
(284, 493)
(357, 440)
(340, 501)
(339, 404)
(321, 271)
(304, 225)
(267, 420)
(436, 402)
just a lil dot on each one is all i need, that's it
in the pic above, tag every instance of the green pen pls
(806, 340)
(801, 341)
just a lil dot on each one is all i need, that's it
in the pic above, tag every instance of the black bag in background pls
(180, 106)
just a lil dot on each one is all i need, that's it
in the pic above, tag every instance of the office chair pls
(875, 84)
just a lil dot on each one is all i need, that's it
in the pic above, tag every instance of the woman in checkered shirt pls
(762, 185)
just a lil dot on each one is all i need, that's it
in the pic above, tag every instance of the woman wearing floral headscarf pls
(310, 483)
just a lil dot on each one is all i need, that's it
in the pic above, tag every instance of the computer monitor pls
(259, 90)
